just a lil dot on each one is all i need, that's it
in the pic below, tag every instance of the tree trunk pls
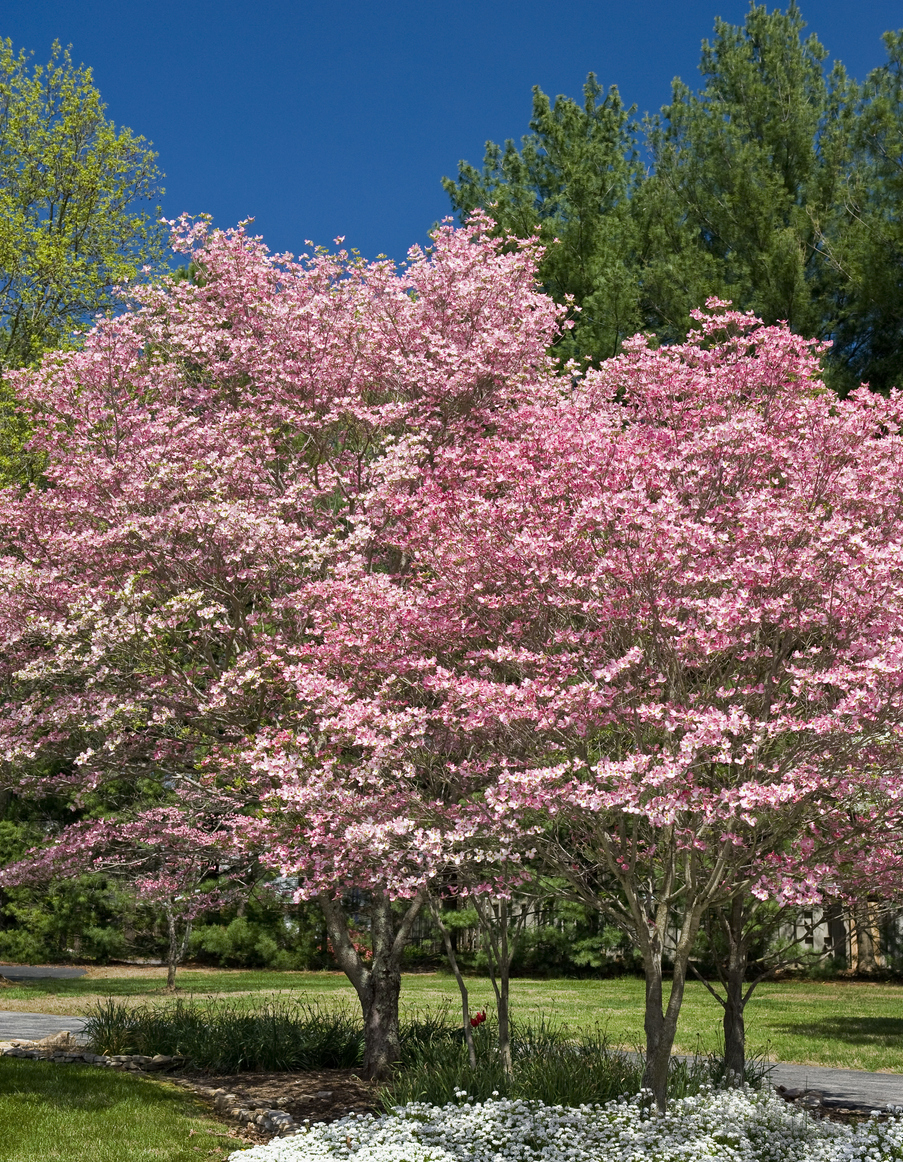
(499, 953)
(378, 985)
(504, 996)
(734, 1035)
(866, 960)
(735, 1001)
(658, 1041)
(172, 954)
(660, 1021)
(177, 948)
(382, 1035)
(462, 987)
(743, 923)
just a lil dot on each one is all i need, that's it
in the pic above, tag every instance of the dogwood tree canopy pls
(648, 630)
(208, 456)
(344, 542)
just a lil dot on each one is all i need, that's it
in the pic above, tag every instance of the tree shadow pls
(887, 1031)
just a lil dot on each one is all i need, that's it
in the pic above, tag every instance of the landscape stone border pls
(63, 1050)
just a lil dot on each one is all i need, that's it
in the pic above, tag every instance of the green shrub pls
(572, 941)
(78, 919)
(265, 935)
(83, 918)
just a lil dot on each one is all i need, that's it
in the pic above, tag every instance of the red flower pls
(478, 1018)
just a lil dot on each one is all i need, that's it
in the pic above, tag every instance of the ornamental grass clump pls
(269, 1036)
(550, 1065)
(728, 1125)
(278, 1035)
(547, 1066)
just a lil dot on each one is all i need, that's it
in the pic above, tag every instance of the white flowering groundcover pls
(730, 1125)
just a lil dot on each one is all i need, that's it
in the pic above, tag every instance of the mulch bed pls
(317, 1095)
(324, 1095)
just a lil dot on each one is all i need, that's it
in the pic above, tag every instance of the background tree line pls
(776, 185)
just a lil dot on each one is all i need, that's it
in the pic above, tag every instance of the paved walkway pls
(39, 972)
(875, 1090)
(35, 1026)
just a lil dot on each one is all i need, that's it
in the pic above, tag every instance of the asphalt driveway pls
(39, 972)
(35, 1026)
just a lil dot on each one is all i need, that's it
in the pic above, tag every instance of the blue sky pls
(321, 120)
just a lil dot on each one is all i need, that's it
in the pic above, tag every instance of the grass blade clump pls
(276, 1036)
(550, 1065)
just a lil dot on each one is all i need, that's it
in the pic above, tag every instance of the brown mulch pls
(317, 1095)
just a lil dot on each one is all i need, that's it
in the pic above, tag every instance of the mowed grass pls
(64, 1112)
(850, 1025)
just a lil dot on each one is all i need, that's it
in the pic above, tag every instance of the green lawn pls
(851, 1025)
(839, 1023)
(65, 1112)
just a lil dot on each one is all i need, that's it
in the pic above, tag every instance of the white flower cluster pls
(731, 1126)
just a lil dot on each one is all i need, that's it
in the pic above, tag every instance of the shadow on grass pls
(58, 1113)
(882, 1031)
(187, 982)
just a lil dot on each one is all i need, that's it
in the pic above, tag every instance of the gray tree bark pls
(176, 948)
(377, 984)
(462, 987)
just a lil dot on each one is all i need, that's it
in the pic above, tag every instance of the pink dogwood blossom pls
(211, 459)
(648, 630)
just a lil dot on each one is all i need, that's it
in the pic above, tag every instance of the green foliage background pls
(776, 185)
(74, 219)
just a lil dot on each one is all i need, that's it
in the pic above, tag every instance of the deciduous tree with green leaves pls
(71, 188)
(74, 219)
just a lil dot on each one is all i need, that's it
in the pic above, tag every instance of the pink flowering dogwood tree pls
(648, 631)
(163, 856)
(344, 543)
(211, 458)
